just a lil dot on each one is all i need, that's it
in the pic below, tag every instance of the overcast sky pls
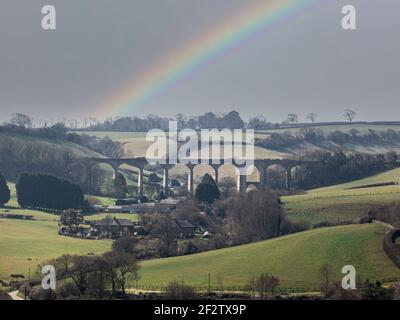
(307, 63)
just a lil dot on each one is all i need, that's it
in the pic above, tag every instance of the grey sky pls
(306, 63)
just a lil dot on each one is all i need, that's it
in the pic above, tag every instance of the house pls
(113, 227)
(114, 209)
(171, 201)
(97, 208)
(168, 205)
(186, 228)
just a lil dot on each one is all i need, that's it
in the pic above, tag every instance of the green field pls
(23, 244)
(135, 143)
(114, 135)
(129, 216)
(37, 215)
(337, 203)
(388, 176)
(295, 259)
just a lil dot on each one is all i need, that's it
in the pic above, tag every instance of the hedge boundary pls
(391, 248)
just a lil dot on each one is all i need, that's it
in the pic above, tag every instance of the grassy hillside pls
(23, 244)
(344, 127)
(135, 143)
(338, 202)
(388, 176)
(75, 149)
(295, 259)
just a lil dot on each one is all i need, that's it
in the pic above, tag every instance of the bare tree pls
(292, 118)
(227, 186)
(120, 265)
(21, 120)
(179, 291)
(312, 117)
(181, 119)
(85, 122)
(220, 282)
(349, 115)
(262, 285)
(326, 272)
(164, 228)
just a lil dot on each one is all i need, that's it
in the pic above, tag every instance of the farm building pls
(114, 209)
(186, 228)
(113, 227)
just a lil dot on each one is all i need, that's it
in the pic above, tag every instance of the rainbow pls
(246, 23)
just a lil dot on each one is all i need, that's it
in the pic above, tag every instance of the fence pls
(277, 290)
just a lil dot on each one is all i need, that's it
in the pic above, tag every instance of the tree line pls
(92, 276)
(4, 191)
(51, 152)
(59, 132)
(339, 167)
(277, 141)
(48, 192)
(231, 120)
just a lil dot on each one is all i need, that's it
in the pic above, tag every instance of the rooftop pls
(108, 221)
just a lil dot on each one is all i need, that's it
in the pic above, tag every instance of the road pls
(14, 295)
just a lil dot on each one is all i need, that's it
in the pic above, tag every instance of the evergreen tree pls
(207, 191)
(4, 191)
(71, 218)
(120, 187)
(48, 192)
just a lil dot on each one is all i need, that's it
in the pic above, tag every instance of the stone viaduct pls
(261, 165)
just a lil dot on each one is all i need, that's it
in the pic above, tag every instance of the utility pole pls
(209, 283)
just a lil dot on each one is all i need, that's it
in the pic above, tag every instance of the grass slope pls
(24, 244)
(77, 150)
(337, 203)
(295, 259)
(135, 143)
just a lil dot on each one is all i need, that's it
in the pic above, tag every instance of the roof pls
(108, 221)
(140, 205)
(170, 200)
(184, 224)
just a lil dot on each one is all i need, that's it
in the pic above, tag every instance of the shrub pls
(179, 291)
(391, 248)
(4, 191)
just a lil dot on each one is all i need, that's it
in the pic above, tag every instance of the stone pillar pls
(115, 172)
(215, 174)
(165, 188)
(140, 182)
(241, 185)
(190, 181)
(288, 178)
(263, 177)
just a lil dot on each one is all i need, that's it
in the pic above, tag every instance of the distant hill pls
(135, 143)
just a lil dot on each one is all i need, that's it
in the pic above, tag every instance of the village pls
(111, 227)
